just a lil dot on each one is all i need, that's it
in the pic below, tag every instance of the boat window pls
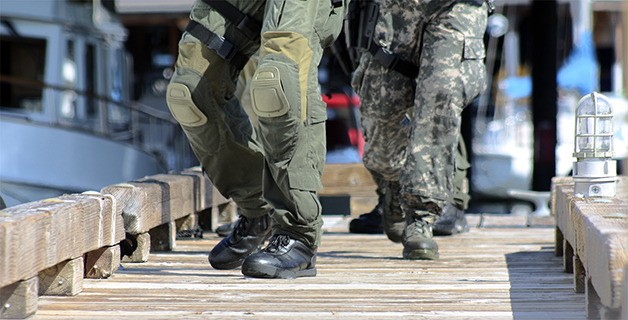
(91, 73)
(22, 65)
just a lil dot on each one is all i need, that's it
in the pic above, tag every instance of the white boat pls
(67, 123)
(503, 142)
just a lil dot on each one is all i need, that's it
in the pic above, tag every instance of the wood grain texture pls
(203, 188)
(63, 279)
(102, 263)
(19, 300)
(349, 179)
(140, 204)
(597, 230)
(499, 272)
(36, 235)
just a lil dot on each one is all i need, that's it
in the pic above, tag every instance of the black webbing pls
(392, 61)
(218, 44)
(247, 25)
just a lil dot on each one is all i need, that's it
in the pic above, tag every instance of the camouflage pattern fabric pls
(411, 126)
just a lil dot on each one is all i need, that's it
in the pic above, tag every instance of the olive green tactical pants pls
(280, 162)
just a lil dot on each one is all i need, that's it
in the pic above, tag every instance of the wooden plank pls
(493, 272)
(203, 188)
(142, 249)
(597, 229)
(350, 178)
(62, 279)
(140, 204)
(111, 228)
(154, 200)
(19, 300)
(601, 233)
(177, 195)
(28, 226)
(213, 205)
(102, 263)
(41, 230)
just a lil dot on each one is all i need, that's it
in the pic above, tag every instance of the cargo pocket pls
(182, 107)
(473, 71)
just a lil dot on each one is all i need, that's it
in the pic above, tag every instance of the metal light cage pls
(594, 171)
(594, 128)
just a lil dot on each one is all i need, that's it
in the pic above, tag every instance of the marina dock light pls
(594, 172)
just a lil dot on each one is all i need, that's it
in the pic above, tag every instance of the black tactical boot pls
(451, 221)
(417, 240)
(393, 218)
(224, 230)
(368, 223)
(284, 258)
(247, 237)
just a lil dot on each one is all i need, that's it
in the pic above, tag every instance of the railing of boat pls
(150, 129)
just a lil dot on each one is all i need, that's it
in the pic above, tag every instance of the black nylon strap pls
(218, 44)
(247, 25)
(393, 61)
(336, 3)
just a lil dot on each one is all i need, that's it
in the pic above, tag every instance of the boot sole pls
(420, 254)
(270, 272)
(227, 265)
(448, 230)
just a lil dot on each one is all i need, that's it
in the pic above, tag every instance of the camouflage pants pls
(275, 167)
(412, 126)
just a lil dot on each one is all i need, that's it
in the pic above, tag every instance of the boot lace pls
(419, 227)
(241, 226)
(277, 242)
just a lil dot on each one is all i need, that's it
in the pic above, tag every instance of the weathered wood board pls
(507, 271)
(34, 236)
(594, 232)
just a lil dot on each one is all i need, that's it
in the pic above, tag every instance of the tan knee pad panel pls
(267, 95)
(182, 107)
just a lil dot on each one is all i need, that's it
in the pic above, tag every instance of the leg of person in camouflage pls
(452, 74)
(452, 220)
(386, 130)
(371, 222)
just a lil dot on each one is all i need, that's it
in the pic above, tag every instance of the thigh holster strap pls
(224, 48)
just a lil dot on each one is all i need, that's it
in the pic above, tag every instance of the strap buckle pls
(224, 48)
(385, 58)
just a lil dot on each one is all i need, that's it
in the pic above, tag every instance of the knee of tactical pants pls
(204, 135)
(285, 73)
(182, 106)
(268, 94)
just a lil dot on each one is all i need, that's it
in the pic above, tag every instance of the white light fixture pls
(594, 172)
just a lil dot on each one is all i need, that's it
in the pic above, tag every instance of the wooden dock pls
(60, 259)
(501, 269)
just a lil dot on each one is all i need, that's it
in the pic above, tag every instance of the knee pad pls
(267, 93)
(182, 107)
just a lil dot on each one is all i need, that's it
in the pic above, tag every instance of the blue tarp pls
(580, 72)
